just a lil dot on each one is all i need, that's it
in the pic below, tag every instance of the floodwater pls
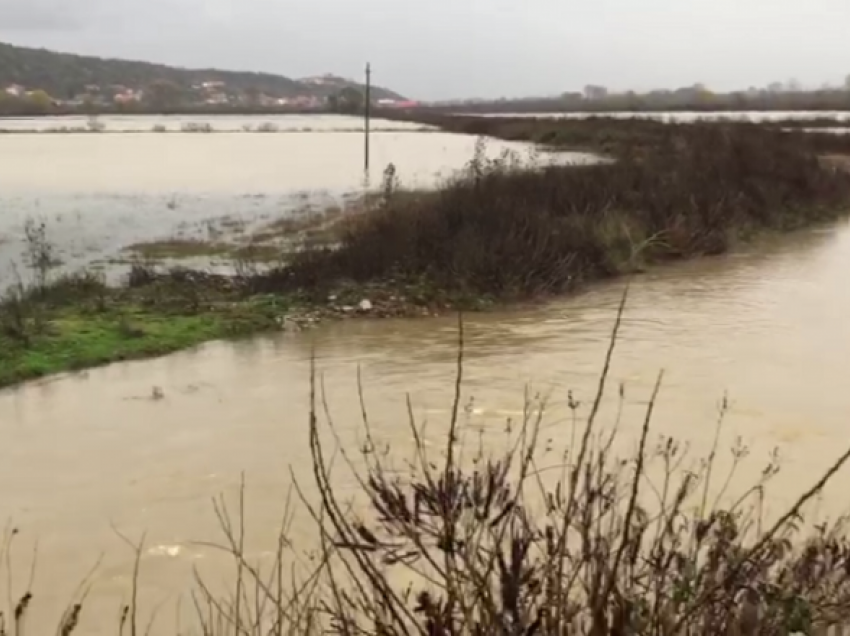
(85, 456)
(689, 116)
(217, 123)
(85, 452)
(99, 193)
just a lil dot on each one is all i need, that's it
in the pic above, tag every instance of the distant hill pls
(65, 76)
(329, 84)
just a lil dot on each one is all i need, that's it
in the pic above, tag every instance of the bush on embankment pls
(502, 231)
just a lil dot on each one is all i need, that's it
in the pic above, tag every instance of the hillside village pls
(215, 93)
(42, 81)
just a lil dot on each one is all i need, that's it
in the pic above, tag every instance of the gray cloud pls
(459, 48)
(38, 15)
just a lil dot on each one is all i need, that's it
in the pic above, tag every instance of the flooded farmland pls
(87, 454)
(98, 193)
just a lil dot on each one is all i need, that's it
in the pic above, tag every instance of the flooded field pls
(684, 116)
(143, 447)
(216, 123)
(100, 193)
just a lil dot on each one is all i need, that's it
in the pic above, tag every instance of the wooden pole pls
(367, 107)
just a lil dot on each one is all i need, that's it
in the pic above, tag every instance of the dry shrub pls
(476, 542)
(488, 546)
(505, 231)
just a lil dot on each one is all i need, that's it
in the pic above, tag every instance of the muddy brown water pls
(83, 453)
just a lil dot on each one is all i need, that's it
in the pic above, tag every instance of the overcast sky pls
(439, 49)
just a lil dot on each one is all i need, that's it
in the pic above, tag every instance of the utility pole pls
(366, 113)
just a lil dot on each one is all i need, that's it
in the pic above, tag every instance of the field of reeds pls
(612, 134)
(466, 540)
(671, 192)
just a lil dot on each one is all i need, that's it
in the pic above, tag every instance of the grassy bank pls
(494, 233)
(74, 322)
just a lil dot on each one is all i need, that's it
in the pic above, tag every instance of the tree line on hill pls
(36, 81)
(594, 98)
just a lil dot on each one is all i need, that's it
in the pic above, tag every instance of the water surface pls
(98, 193)
(79, 453)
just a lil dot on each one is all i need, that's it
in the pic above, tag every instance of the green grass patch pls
(77, 337)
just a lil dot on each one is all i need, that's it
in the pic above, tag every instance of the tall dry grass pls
(500, 230)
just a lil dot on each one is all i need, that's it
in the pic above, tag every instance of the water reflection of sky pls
(98, 193)
(86, 228)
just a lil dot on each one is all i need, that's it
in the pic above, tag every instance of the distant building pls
(306, 101)
(393, 103)
(593, 92)
(16, 90)
(322, 80)
(127, 96)
(217, 99)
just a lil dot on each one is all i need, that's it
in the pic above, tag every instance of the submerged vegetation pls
(497, 231)
(569, 536)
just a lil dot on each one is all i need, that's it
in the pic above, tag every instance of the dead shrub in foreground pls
(489, 546)
(466, 542)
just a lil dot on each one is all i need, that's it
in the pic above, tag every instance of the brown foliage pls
(489, 547)
(675, 191)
